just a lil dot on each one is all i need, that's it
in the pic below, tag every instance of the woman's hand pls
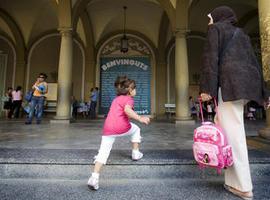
(205, 97)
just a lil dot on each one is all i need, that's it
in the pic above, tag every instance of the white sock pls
(95, 175)
(135, 150)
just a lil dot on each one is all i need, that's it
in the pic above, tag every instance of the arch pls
(19, 45)
(80, 44)
(34, 40)
(13, 27)
(87, 28)
(169, 50)
(44, 37)
(164, 25)
(147, 43)
(139, 35)
(12, 46)
(168, 55)
(31, 49)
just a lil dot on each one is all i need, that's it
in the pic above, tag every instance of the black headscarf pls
(224, 14)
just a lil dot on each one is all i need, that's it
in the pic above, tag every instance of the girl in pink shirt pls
(117, 124)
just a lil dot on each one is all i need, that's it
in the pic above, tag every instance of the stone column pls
(64, 77)
(264, 18)
(182, 114)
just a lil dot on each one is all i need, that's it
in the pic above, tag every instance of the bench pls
(169, 109)
(50, 106)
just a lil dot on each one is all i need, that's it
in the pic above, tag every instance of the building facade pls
(77, 44)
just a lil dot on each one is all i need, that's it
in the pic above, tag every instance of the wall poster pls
(136, 68)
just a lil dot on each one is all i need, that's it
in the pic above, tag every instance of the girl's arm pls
(132, 114)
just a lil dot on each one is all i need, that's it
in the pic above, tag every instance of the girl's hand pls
(205, 97)
(144, 120)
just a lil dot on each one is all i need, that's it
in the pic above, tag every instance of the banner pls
(136, 68)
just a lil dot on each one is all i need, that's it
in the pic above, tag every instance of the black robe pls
(231, 65)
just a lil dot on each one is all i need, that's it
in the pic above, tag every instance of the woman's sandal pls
(243, 195)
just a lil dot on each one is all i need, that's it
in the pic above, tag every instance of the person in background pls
(93, 104)
(17, 97)
(192, 107)
(209, 111)
(197, 106)
(40, 89)
(85, 109)
(91, 92)
(8, 102)
(74, 106)
(252, 110)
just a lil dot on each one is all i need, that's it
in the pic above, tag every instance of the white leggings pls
(107, 143)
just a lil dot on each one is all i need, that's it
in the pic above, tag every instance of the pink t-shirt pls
(117, 122)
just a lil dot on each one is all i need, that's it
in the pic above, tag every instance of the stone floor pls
(51, 161)
(86, 134)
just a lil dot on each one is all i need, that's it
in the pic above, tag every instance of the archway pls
(139, 64)
(47, 48)
(194, 41)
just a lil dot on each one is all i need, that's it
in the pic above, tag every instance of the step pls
(57, 182)
(124, 189)
(76, 163)
(117, 157)
(77, 172)
(27, 174)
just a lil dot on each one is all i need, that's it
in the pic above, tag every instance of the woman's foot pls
(243, 195)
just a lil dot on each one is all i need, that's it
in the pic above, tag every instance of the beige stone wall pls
(45, 58)
(195, 49)
(6, 49)
(172, 77)
(77, 72)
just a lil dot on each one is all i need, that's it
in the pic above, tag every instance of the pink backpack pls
(210, 146)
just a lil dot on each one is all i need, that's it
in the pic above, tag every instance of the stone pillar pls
(264, 18)
(182, 114)
(64, 77)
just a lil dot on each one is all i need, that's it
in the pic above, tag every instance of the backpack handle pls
(201, 110)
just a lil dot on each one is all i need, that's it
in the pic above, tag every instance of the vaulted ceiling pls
(36, 18)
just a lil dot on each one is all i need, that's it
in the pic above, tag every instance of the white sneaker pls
(93, 183)
(136, 155)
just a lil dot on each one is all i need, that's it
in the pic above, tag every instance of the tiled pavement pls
(86, 134)
(50, 161)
